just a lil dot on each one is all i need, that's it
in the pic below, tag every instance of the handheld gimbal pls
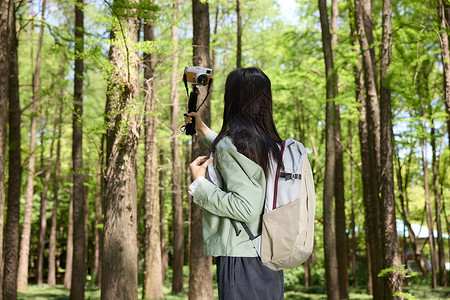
(196, 76)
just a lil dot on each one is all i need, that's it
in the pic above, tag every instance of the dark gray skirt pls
(243, 278)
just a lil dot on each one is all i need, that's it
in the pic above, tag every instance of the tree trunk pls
(162, 217)
(416, 251)
(45, 175)
(177, 200)
(9, 91)
(446, 65)
(5, 41)
(98, 222)
(370, 144)
(429, 215)
(329, 234)
(200, 275)
(69, 248)
(437, 207)
(22, 273)
(51, 279)
(239, 35)
(424, 93)
(216, 24)
(79, 202)
(153, 281)
(120, 253)
(341, 234)
(352, 216)
(445, 61)
(393, 281)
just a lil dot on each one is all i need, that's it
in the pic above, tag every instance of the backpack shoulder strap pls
(277, 175)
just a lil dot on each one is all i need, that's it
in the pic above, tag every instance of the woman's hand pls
(200, 126)
(198, 166)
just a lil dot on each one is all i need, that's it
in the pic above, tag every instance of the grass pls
(45, 292)
(419, 288)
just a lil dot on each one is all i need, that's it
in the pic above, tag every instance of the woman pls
(242, 152)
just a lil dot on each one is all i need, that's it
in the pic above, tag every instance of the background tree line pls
(93, 188)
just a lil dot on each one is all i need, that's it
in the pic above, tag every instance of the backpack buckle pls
(290, 176)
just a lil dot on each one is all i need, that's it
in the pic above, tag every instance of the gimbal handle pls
(192, 107)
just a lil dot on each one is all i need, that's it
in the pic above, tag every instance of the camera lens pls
(201, 79)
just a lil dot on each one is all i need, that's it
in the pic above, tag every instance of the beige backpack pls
(287, 234)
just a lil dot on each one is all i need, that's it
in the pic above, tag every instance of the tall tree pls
(11, 242)
(339, 194)
(45, 180)
(393, 281)
(79, 202)
(329, 233)
(239, 34)
(162, 216)
(437, 206)
(200, 265)
(429, 214)
(445, 56)
(424, 97)
(51, 276)
(4, 103)
(120, 253)
(177, 196)
(97, 222)
(370, 143)
(22, 275)
(352, 215)
(413, 240)
(69, 247)
(153, 281)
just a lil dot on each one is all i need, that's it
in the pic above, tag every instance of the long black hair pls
(248, 117)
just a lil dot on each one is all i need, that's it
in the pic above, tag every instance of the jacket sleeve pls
(243, 196)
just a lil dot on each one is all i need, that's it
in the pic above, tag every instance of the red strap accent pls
(277, 176)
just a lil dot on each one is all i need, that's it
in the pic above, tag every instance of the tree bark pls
(352, 216)
(341, 234)
(437, 207)
(239, 34)
(45, 180)
(429, 215)
(5, 42)
(153, 281)
(370, 144)
(22, 274)
(51, 278)
(423, 93)
(445, 55)
(416, 251)
(177, 200)
(69, 248)
(120, 253)
(9, 95)
(393, 281)
(79, 202)
(331, 265)
(200, 275)
(216, 24)
(162, 217)
(98, 221)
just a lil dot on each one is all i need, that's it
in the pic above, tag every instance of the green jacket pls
(242, 199)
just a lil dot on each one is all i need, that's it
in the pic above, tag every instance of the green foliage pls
(399, 270)
(404, 295)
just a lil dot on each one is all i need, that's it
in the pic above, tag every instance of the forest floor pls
(419, 291)
(417, 288)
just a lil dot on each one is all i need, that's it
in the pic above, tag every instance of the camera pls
(198, 75)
